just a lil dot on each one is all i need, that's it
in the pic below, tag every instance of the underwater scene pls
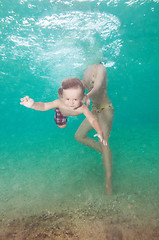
(52, 186)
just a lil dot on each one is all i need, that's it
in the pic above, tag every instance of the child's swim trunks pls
(59, 118)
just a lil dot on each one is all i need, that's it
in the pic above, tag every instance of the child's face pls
(72, 97)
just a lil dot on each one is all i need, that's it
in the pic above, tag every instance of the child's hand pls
(101, 139)
(86, 100)
(27, 102)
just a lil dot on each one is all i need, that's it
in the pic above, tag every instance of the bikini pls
(99, 109)
(91, 83)
(60, 119)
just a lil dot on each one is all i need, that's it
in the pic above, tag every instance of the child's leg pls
(105, 120)
(81, 137)
(62, 126)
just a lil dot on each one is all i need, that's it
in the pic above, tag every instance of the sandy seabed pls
(132, 213)
(89, 223)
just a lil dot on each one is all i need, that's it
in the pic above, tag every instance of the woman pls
(95, 80)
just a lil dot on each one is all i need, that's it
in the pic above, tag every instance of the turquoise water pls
(42, 42)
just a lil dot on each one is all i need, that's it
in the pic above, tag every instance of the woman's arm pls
(39, 106)
(94, 124)
(100, 77)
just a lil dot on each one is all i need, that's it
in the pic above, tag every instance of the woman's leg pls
(81, 137)
(105, 119)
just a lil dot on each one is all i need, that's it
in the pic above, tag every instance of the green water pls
(42, 42)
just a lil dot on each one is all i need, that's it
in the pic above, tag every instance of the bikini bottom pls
(99, 109)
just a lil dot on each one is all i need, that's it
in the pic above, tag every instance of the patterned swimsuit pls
(60, 119)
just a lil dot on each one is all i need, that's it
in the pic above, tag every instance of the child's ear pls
(60, 92)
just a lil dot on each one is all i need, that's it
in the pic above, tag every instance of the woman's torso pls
(100, 97)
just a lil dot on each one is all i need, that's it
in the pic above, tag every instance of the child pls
(70, 104)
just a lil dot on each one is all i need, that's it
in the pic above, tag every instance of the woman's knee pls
(78, 136)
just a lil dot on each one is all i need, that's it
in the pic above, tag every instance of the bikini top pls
(90, 84)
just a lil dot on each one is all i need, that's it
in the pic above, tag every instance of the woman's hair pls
(71, 83)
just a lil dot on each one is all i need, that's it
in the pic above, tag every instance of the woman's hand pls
(27, 102)
(101, 139)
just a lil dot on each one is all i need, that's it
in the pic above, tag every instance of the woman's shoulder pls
(100, 67)
(95, 68)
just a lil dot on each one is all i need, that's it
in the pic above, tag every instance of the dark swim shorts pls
(60, 119)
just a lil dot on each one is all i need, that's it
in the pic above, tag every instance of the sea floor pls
(50, 192)
(91, 222)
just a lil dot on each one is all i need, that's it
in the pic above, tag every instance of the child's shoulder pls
(59, 102)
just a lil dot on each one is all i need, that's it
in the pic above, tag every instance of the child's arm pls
(39, 106)
(94, 124)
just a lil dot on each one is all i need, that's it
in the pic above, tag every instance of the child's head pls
(72, 92)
